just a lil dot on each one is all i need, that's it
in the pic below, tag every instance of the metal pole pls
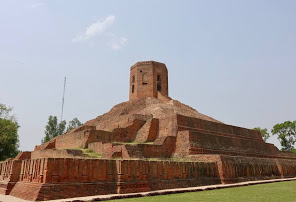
(63, 99)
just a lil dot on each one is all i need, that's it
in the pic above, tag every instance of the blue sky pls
(232, 60)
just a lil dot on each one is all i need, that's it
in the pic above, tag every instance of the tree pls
(264, 133)
(61, 127)
(4, 112)
(75, 123)
(286, 133)
(53, 128)
(9, 141)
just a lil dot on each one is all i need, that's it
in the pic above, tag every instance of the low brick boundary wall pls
(170, 191)
(60, 178)
(47, 179)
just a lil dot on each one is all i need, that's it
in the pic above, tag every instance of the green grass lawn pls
(279, 191)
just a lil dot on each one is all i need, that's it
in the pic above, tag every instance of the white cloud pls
(99, 29)
(36, 5)
(95, 29)
(116, 43)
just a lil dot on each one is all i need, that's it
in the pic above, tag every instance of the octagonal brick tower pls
(148, 79)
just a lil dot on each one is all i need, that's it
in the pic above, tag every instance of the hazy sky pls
(232, 60)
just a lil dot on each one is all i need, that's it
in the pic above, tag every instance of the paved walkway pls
(7, 198)
(4, 198)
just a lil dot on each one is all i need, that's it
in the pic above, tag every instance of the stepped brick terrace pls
(150, 142)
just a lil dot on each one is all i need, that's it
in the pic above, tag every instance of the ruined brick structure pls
(147, 79)
(149, 143)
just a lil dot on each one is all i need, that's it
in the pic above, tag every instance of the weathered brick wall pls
(186, 123)
(193, 142)
(5, 169)
(134, 176)
(48, 145)
(206, 137)
(77, 139)
(149, 131)
(164, 174)
(287, 167)
(72, 140)
(97, 147)
(99, 136)
(234, 169)
(34, 170)
(9, 175)
(106, 149)
(129, 133)
(153, 130)
(44, 179)
(163, 147)
(202, 142)
(9, 170)
(84, 136)
(182, 144)
(168, 126)
(237, 169)
(23, 155)
(54, 153)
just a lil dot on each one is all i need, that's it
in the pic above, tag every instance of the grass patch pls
(279, 191)
(159, 159)
(132, 143)
(91, 153)
(172, 159)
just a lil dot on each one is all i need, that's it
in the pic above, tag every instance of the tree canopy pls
(286, 133)
(75, 123)
(264, 133)
(9, 140)
(53, 128)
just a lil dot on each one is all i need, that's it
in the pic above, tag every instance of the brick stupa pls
(151, 142)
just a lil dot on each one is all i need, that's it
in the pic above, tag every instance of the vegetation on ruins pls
(54, 129)
(89, 152)
(264, 133)
(9, 141)
(286, 133)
